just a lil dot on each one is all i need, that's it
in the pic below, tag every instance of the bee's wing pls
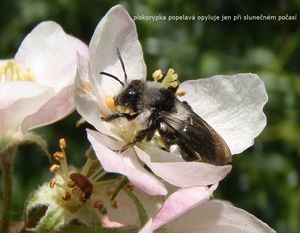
(199, 136)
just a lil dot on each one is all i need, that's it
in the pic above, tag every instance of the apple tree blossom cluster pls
(145, 187)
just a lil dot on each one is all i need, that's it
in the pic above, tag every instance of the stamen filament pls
(64, 165)
(99, 176)
(122, 182)
(95, 173)
(86, 167)
(106, 182)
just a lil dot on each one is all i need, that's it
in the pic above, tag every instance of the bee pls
(158, 110)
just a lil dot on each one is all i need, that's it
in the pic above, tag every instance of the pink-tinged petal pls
(151, 204)
(116, 30)
(55, 109)
(183, 174)
(147, 227)
(51, 55)
(126, 163)
(217, 216)
(232, 105)
(106, 222)
(19, 100)
(88, 102)
(11, 92)
(119, 212)
(180, 202)
(2, 122)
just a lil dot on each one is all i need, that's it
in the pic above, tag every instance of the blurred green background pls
(265, 178)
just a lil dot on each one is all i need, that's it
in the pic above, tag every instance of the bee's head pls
(131, 96)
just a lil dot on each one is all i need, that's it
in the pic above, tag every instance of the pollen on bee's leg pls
(157, 75)
(110, 103)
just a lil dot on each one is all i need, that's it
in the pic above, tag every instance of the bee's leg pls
(142, 134)
(111, 117)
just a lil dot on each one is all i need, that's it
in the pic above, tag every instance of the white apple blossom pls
(36, 86)
(232, 105)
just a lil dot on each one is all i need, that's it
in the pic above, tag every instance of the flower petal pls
(55, 109)
(19, 100)
(51, 55)
(180, 202)
(116, 30)
(147, 227)
(182, 174)
(151, 204)
(217, 216)
(232, 105)
(88, 102)
(126, 163)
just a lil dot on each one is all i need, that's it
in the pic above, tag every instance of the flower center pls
(12, 71)
(76, 188)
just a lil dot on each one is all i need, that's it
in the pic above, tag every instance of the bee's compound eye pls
(131, 93)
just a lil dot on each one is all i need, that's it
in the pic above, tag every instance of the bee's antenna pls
(114, 77)
(122, 63)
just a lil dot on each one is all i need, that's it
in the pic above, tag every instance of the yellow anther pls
(66, 196)
(82, 198)
(98, 204)
(12, 71)
(59, 155)
(71, 184)
(52, 182)
(62, 143)
(172, 75)
(171, 79)
(110, 103)
(157, 75)
(180, 92)
(54, 168)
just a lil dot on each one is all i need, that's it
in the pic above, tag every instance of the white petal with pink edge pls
(126, 163)
(217, 216)
(116, 30)
(180, 202)
(181, 174)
